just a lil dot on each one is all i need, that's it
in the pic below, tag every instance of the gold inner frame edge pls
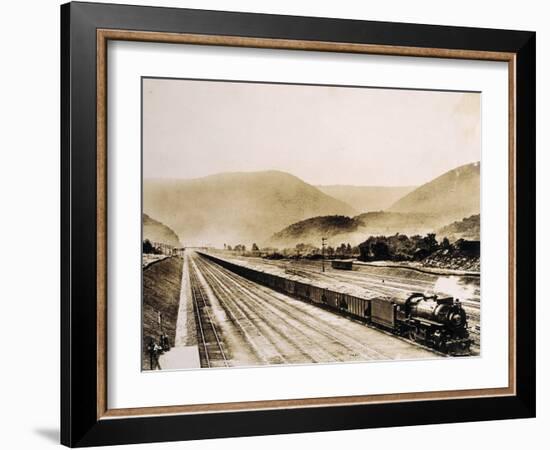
(103, 36)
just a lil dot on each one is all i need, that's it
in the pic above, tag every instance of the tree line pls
(400, 247)
(150, 248)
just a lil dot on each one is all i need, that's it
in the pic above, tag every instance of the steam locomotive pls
(439, 323)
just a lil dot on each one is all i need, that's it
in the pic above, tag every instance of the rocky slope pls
(451, 196)
(467, 228)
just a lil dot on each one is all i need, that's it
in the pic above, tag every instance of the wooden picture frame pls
(85, 416)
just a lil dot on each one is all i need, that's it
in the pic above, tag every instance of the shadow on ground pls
(50, 434)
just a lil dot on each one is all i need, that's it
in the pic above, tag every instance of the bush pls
(398, 247)
(275, 255)
(148, 248)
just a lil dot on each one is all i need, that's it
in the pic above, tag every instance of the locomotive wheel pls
(413, 334)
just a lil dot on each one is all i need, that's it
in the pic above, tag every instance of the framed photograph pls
(278, 224)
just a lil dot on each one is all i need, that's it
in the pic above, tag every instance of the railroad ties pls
(210, 345)
(240, 322)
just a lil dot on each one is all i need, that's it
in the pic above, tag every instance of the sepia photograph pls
(292, 224)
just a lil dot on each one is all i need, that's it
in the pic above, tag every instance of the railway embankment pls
(161, 299)
(149, 258)
(453, 259)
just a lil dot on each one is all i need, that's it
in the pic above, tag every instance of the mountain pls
(232, 208)
(367, 198)
(433, 206)
(388, 223)
(451, 196)
(338, 229)
(158, 232)
(467, 228)
(310, 231)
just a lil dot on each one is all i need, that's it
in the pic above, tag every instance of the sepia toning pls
(301, 224)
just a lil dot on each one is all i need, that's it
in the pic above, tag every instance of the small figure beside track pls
(164, 342)
(155, 350)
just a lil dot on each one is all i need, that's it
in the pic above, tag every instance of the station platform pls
(185, 353)
(184, 357)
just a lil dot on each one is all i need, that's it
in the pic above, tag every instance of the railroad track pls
(310, 326)
(293, 345)
(211, 349)
(297, 324)
(298, 314)
(374, 284)
(383, 284)
(262, 342)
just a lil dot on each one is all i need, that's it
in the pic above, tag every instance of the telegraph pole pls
(159, 320)
(323, 243)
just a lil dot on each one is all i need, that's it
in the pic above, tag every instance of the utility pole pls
(159, 320)
(323, 243)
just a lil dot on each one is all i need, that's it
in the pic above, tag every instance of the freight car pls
(341, 264)
(437, 322)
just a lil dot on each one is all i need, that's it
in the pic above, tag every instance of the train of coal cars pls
(437, 322)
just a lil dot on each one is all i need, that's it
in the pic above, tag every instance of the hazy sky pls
(323, 135)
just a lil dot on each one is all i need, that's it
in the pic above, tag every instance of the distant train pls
(439, 323)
